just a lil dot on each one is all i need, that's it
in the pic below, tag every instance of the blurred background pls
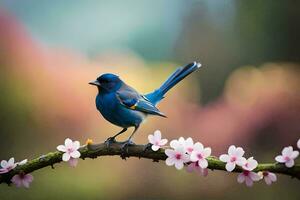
(247, 93)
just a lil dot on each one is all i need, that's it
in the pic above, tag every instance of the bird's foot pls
(124, 148)
(109, 141)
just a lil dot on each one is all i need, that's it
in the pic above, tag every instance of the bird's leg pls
(112, 139)
(127, 143)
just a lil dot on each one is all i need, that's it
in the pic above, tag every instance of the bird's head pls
(107, 82)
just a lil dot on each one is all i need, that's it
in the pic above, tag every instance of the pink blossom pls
(250, 164)
(269, 177)
(22, 180)
(156, 140)
(70, 148)
(248, 177)
(288, 156)
(6, 166)
(194, 166)
(298, 144)
(233, 158)
(176, 157)
(200, 154)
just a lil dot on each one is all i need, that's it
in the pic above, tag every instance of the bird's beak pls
(96, 83)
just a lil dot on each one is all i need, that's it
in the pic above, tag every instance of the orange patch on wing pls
(132, 107)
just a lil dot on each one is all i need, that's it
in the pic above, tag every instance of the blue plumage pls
(156, 96)
(123, 106)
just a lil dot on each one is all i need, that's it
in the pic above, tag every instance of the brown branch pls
(140, 151)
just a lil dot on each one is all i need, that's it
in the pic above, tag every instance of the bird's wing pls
(132, 100)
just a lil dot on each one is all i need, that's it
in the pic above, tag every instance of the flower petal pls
(155, 147)
(175, 144)
(178, 164)
(298, 144)
(290, 163)
(294, 154)
(68, 143)
(206, 152)
(230, 166)
(204, 172)
(251, 164)
(25, 184)
(198, 146)
(181, 140)
(163, 142)
(3, 170)
(169, 152)
(260, 174)
(170, 161)
(190, 168)
(157, 135)
(151, 139)
(61, 148)
(185, 158)
(203, 163)
(16, 180)
(4, 164)
(241, 161)
(239, 152)
(73, 162)
(189, 142)
(287, 151)
(224, 158)
(194, 156)
(75, 154)
(28, 178)
(11, 161)
(280, 159)
(231, 150)
(66, 157)
(76, 145)
(248, 181)
(241, 178)
(272, 176)
(254, 176)
(267, 180)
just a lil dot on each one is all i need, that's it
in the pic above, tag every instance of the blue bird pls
(123, 106)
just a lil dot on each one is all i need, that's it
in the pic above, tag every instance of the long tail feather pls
(175, 78)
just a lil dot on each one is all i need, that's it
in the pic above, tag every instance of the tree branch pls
(140, 151)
